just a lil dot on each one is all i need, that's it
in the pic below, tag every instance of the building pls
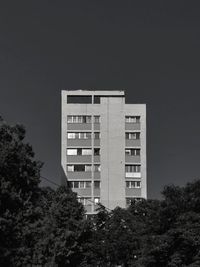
(103, 147)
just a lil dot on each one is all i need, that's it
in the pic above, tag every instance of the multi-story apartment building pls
(103, 147)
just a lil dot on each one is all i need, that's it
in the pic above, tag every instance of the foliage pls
(46, 227)
(38, 226)
(19, 179)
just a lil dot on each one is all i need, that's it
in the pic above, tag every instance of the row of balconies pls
(83, 175)
(129, 192)
(88, 159)
(97, 175)
(88, 142)
(88, 126)
(86, 193)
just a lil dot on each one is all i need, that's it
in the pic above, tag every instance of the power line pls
(54, 183)
(49, 180)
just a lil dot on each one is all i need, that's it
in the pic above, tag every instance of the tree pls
(19, 179)
(115, 238)
(65, 231)
(38, 226)
(178, 242)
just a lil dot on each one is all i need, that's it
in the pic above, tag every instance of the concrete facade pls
(100, 140)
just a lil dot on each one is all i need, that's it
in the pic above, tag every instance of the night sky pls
(149, 48)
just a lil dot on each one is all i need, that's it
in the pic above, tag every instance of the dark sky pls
(149, 48)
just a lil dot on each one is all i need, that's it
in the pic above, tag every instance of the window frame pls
(132, 119)
(132, 135)
(96, 119)
(99, 185)
(133, 151)
(133, 184)
(79, 119)
(96, 134)
(132, 168)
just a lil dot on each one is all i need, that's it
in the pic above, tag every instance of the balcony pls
(132, 159)
(79, 175)
(79, 126)
(83, 192)
(133, 143)
(132, 126)
(133, 175)
(79, 142)
(133, 192)
(79, 159)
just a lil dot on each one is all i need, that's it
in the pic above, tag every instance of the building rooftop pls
(95, 92)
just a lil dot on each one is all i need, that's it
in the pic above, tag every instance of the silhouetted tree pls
(19, 179)
(46, 227)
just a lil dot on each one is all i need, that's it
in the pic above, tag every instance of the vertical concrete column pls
(112, 152)
(64, 133)
(143, 153)
(92, 144)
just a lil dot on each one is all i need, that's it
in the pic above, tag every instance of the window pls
(79, 119)
(96, 184)
(86, 119)
(70, 168)
(71, 135)
(86, 152)
(79, 151)
(97, 200)
(96, 135)
(71, 152)
(79, 135)
(74, 119)
(86, 201)
(133, 184)
(130, 200)
(69, 119)
(80, 184)
(84, 136)
(76, 184)
(70, 184)
(97, 99)
(88, 168)
(87, 184)
(96, 151)
(134, 135)
(132, 151)
(83, 168)
(132, 119)
(87, 135)
(81, 200)
(97, 167)
(96, 119)
(79, 168)
(80, 99)
(132, 168)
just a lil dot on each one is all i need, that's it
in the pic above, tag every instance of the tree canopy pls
(40, 226)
